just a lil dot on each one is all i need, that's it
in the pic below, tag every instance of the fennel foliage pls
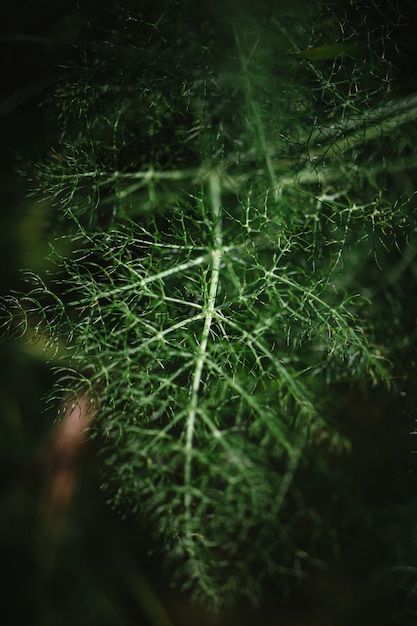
(218, 198)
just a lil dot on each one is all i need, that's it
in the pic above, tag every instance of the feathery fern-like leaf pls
(211, 199)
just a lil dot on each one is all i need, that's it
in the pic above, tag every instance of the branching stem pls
(216, 257)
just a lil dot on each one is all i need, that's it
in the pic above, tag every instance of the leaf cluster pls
(214, 194)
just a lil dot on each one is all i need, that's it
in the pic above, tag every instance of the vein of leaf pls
(146, 176)
(333, 311)
(231, 182)
(218, 435)
(283, 305)
(390, 111)
(182, 267)
(142, 282)
(282, 371)
(335, 148)
(251, 99)
(165, 381)
(158, 433)
(287, 479)
(312, 173)
(216, 259)
(160, 334)
(250, 400)
(157, 296)
(186, 303)
(171, 247)
(152, 174)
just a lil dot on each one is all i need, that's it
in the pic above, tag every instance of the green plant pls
(218, 191)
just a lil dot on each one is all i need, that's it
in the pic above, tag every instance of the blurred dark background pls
(62, 563)
(79, 562)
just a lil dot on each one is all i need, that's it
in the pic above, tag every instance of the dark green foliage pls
(224, 205)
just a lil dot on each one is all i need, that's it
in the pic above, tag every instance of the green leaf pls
(220, 216)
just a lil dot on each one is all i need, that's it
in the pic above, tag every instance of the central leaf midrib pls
(216, 255)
